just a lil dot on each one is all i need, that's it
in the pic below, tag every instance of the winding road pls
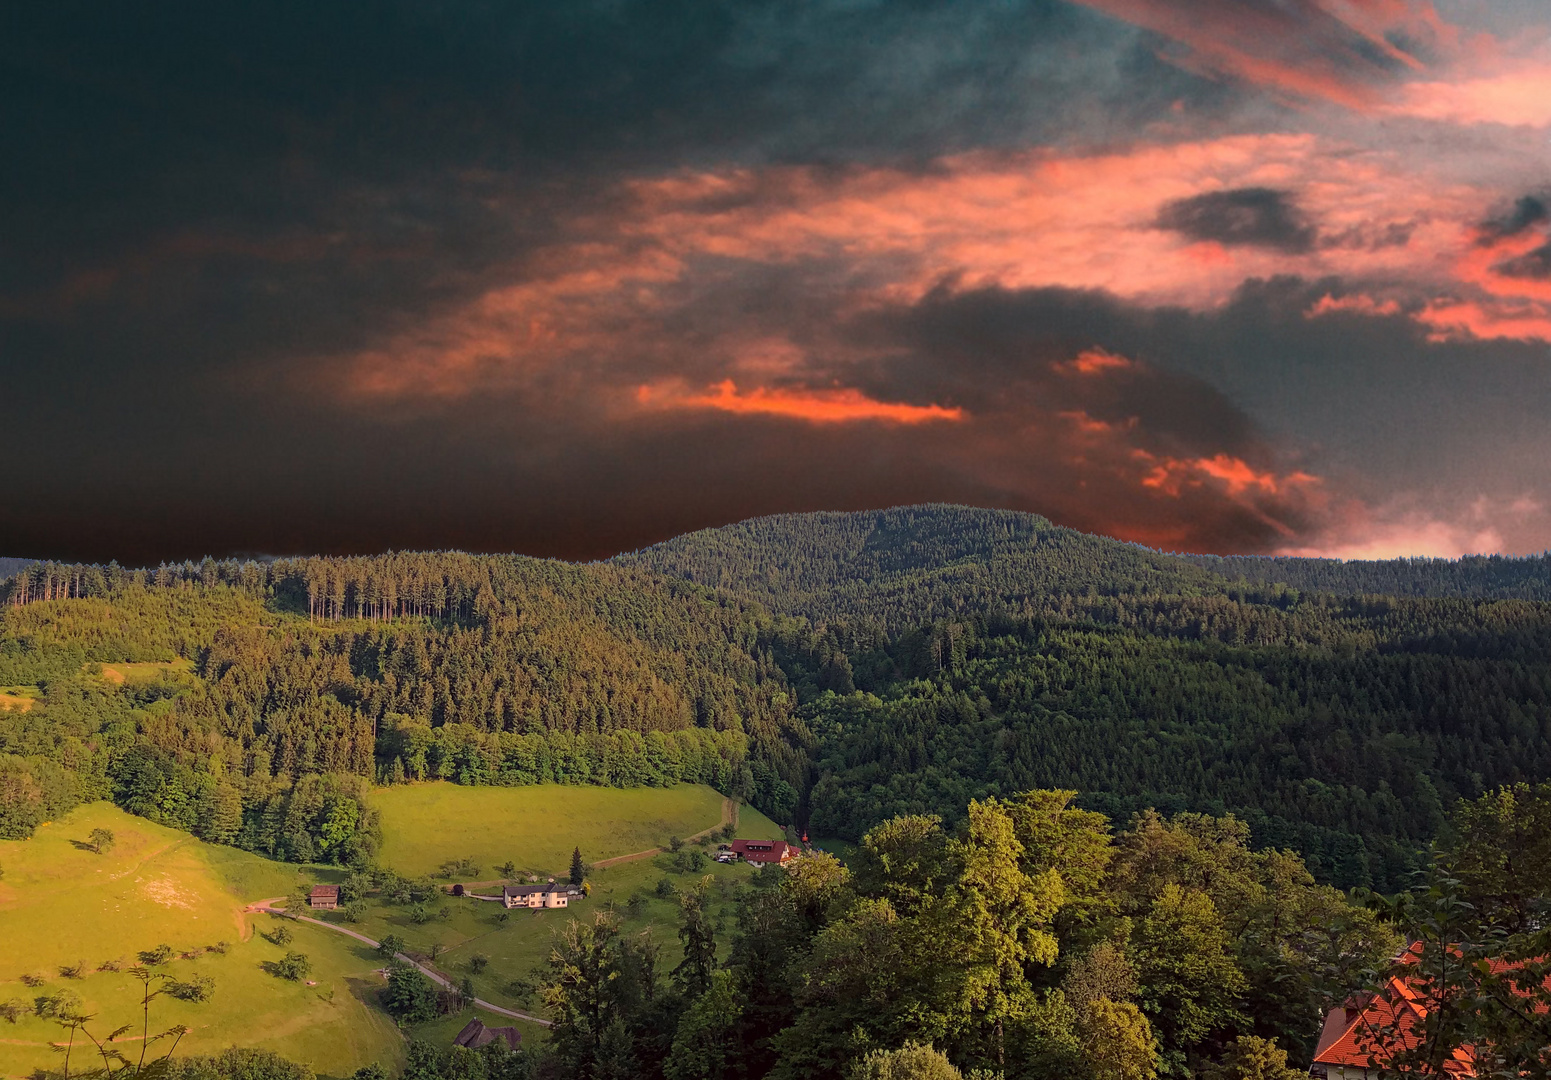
(267, 906)
(729, 810)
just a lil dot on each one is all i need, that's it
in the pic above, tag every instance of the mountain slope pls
(908, 565)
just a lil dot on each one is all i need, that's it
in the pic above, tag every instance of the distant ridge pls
(12, 567)
(912, 563)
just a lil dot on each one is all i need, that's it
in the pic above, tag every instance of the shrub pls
(420, 914)
(281, 936)
(76, 970)
(154, 957)
(197, 988)
(478, 962)
(293, 965)
(110, 965)
(59, 1003)
(390, 945)
(32, 979)
(12, 1010)
(220, 947)
(666, 889)
(354, 911)
(674, 843)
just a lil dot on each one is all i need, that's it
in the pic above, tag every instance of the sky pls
(1238, 276)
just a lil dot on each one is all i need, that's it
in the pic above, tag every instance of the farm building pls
(1348, 1041)
(475, 1034)
(776, 852)
(323, 897)
(535, 896)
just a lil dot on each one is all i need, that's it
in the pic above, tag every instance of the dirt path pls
(430, 973)
(728, 809)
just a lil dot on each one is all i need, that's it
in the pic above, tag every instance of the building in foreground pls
(323, 897)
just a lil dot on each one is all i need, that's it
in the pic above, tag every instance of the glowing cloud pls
(831, 406)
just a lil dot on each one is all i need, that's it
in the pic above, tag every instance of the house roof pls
(529, 890)
(1348, 1035)
(325, 892)
(475, 1034)
(766, 851)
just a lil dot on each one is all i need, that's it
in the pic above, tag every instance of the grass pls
(138, 674)
(516, 946)
(61, 903)
(425, 825)
(20, 698)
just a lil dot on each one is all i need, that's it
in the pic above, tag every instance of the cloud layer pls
(1237, 277)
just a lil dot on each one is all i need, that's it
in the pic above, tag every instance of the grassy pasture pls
(138, 674)
(61, 903)
(20, 698)
(424, 825)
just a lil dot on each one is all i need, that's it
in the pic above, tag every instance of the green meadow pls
(424, 825)
(62, 905)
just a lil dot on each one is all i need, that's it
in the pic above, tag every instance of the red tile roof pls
(764, 851)
(1348, 1037)
(324, 892)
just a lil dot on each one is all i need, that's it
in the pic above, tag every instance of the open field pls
(518, 943)
(425, 825)
(19, 698)
(61, 904)
(121, 674)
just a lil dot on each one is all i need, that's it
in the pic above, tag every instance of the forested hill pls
(247, 702)
(835, 669)
(1476, 576)
(913, 564)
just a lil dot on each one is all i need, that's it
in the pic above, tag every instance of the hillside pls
(832, 669)
(909, 565)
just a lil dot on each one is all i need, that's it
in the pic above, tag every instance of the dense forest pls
(835, 669)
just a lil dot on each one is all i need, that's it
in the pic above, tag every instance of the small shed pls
(323, 897)
(475, 1034)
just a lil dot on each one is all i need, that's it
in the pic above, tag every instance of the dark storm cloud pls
(1534, 265)
(1527, 211)
(1255, 217)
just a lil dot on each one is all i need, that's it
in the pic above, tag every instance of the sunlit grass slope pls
(424, 825)
(62, 904)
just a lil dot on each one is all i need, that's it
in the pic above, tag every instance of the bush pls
(390, 945)
(76, 970)
(157, 956)
(59, 1003)
(674, 843)
(478, 962)
(220, 947)
(197, 988)
(666, 889)
(689, 861)
(420, 914)
(354, 911)
(293, 965)
(281, 936)
(12, 1010)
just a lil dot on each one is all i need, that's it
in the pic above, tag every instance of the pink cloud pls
(816, 406)
(1354, 303)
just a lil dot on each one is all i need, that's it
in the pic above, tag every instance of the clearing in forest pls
(536, 828)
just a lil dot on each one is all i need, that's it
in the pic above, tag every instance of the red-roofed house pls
(778, 852)
(1347, 1043)
(324, 897)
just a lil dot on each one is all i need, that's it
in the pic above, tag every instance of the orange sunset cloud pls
(831, 406)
